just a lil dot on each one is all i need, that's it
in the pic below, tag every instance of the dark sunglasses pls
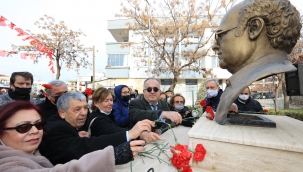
(179, 101)
(149, 89)
(24, 128)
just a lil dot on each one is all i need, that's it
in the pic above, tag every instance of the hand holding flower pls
(144, 125)
(137, 146)
(149, 136)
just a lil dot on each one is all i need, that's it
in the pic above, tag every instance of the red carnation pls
(200, 148)
(210, 113)
(88, 91)
(47, 86)
(200, 153)
(181, 156)
(187, 169)
(202, 103)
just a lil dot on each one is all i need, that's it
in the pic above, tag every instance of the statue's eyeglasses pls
(24, 128)
(149, 89)
(222, 32)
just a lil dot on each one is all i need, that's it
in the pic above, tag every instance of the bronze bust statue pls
(252, 43)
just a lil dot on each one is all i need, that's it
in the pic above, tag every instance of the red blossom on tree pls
(202, 103)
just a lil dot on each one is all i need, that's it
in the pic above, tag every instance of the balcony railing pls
(115, 48)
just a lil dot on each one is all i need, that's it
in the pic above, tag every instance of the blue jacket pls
(120, 108)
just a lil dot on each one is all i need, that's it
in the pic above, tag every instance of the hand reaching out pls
(83, 134)
(175, 117)
(145, 125)
(149, 136)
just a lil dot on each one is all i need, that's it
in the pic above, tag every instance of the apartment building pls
(122, 68)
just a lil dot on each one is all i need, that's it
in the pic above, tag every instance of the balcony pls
(117, 72)
(118, 29)
(114, 48)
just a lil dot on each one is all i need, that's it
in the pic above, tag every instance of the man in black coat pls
(63, 142)
(213, 95)
(150, 106)
(20, 88)
(246, 103)
(49, 106)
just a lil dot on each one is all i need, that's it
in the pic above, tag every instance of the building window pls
(166, 81)
(191, 82)
(115, 59)
(214, 62)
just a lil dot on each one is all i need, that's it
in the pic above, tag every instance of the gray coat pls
(12, 160)
(5, 98)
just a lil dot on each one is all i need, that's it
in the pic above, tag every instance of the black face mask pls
(22, 91)
(56, 99)
(125, 98)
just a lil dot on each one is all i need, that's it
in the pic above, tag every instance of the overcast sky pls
(88, 15)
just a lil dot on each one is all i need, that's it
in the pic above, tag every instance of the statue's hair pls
(281, 18)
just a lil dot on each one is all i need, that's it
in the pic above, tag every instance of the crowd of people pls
(68, 129)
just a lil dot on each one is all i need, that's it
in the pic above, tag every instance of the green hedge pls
(293, 113)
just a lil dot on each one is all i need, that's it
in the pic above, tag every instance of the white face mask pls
(106, 113)
(179, 106)
(168, 100)
(211, 93)
(243, 96)
(2, 143)
(89, 103)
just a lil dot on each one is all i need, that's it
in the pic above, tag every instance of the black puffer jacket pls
(251, 105)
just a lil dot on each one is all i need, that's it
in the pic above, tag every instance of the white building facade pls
(123, 68)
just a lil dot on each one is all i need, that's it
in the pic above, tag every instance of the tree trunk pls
(286, 98)
(175, 81)
(58, 68)
(276, 100)
(276, 87)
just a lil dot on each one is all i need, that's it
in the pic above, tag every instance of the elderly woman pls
(21, 130)
(102, 120)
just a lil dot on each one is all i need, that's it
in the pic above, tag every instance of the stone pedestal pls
(246, 148)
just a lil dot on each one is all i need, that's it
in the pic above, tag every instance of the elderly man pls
(150, 107)
(64, 142)
(213, 94)
(252, 42)
(49, 107)
(20, 88)
(246, 103)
